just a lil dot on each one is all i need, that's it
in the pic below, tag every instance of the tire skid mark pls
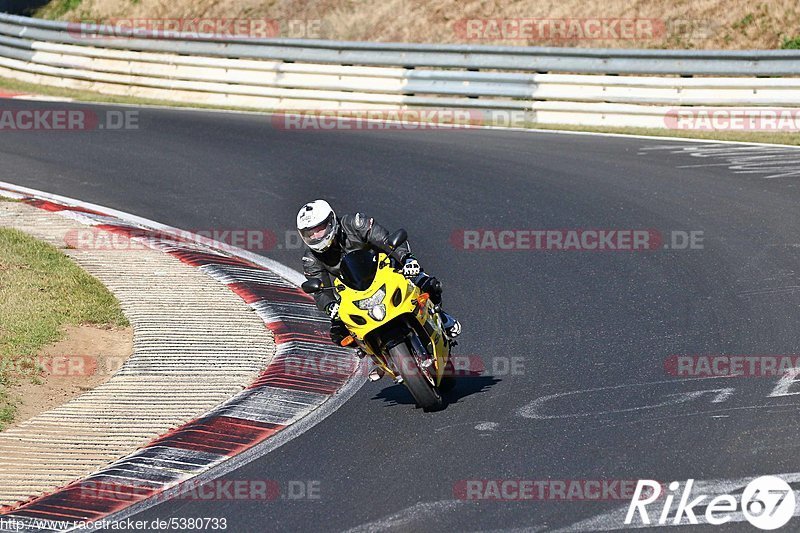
(769, 162)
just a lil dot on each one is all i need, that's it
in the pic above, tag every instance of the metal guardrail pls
(305, 74)
(531, 59)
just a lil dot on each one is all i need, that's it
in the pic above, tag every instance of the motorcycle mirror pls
(396, 239)
(311, 286)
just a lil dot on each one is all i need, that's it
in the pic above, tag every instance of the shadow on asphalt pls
(465, 386)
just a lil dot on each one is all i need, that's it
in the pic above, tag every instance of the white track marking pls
(769, 161)
(788, 379)
(409, 519)
(41, 98)
(532, 409)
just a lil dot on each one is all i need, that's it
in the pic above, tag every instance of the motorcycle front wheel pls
(425, 394)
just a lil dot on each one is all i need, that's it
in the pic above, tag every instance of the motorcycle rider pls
(329, 238)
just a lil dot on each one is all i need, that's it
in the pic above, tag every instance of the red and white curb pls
(289, 396)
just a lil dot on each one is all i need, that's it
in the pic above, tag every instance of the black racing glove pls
(433, 287)
(411, 268)
(332, 309)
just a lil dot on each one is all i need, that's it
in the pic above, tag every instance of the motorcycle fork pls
(381, 362)
(427, 362)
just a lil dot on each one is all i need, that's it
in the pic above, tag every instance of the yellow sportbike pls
(393, 321)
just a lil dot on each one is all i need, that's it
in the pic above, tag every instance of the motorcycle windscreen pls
(358, 269)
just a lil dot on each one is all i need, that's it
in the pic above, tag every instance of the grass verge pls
(790, 43)
(41, 291)
(56, 9)
(88, 96)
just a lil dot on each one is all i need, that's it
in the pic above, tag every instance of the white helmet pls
(317, 225)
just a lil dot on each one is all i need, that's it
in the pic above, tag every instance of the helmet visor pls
(320, 232)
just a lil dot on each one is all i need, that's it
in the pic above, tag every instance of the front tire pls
(425, 394)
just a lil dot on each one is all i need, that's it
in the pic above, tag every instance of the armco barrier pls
(550, 85)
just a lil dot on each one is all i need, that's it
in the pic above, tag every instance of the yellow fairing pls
(392, 281)
(407, 302)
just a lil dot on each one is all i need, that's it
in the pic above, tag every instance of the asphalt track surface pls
(577, 320)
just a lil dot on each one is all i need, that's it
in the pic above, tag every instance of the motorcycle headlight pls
(376, 299)
(378, 312)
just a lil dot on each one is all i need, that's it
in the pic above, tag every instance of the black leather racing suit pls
(356, 232)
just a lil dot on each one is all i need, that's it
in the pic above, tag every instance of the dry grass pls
(701, 24)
